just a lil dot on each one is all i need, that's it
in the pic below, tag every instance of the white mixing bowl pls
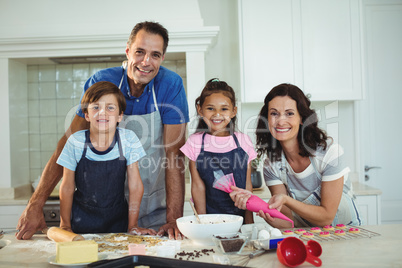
(210, 224)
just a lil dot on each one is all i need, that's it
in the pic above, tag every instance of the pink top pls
(217, 144)
(339, 231)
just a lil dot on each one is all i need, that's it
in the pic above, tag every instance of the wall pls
(223, 61)
(74, 17)
(37, 22)
(53, 94)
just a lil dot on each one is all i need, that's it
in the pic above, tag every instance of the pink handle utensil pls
(254, 203)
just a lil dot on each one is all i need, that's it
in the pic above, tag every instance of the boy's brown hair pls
(99, 89)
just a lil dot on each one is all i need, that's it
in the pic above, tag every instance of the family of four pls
(122, 158)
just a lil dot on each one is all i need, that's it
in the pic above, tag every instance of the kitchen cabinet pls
(9, 215)
(314, 44)
(369, 208)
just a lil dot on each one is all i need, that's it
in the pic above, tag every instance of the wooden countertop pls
(379, 251)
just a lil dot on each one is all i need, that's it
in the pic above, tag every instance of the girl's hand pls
(240, 197)
(274, 222)
(141, 231)
(277, 201)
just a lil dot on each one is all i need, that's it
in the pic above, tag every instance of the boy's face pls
(103, 115)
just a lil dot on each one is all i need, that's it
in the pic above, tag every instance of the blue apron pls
(99, 205)
(236, 162)
(149, 130)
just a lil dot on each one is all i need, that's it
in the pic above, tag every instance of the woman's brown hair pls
(310, 135)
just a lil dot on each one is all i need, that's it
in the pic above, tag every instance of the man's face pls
(145, 56)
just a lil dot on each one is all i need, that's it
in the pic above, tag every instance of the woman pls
(304, 169)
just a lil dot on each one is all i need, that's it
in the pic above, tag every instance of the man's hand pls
(171, 230)
(31, 221)
(141, 231)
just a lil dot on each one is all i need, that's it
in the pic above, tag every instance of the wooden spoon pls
(195, 211)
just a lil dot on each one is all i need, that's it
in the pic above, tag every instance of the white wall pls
(63, 18)
(18, 101)
(75, 17)
(223, 61)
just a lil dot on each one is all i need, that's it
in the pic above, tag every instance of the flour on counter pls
(38, 245)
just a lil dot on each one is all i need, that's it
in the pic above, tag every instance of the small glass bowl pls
(230, 243)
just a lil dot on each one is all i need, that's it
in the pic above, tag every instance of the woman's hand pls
(240, 197)
(141, 231)
(277, 201)
(274, 222)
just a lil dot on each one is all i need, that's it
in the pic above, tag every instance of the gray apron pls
(149, 129)
(347, 212)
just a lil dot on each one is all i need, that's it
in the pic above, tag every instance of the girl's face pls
(217, 111)
(283, 119)
(103, 115)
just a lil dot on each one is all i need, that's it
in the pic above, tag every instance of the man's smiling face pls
(145, 56)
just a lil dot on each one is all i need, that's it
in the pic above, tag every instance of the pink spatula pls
(254, 203)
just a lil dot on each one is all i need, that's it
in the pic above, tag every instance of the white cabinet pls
(370, 208)
(9, 215)
(314, 44)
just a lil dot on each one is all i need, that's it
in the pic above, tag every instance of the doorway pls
(380, 111)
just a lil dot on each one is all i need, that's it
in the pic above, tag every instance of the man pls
(157, 111)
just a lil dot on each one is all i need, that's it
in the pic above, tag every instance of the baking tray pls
(153, 262)
(363, 234)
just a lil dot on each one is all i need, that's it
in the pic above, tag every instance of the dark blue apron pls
(99, 205)
(236, 162)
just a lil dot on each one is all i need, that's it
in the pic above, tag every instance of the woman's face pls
(283, 119)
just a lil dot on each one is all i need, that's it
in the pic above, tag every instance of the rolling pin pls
(57, 234)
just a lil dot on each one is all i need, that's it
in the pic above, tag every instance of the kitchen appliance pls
(51, 212)
(256, 179)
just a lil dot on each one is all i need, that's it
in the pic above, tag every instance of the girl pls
(217, 148)
(95, 164)
(304, 171)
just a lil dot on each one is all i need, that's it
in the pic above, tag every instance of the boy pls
(95, 164)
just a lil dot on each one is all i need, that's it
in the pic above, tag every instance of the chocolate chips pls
(231, 244)
(194, 254)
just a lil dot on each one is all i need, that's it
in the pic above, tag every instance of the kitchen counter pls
(378, 251)
(263, 192)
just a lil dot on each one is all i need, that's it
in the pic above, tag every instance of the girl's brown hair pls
(214, 85)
